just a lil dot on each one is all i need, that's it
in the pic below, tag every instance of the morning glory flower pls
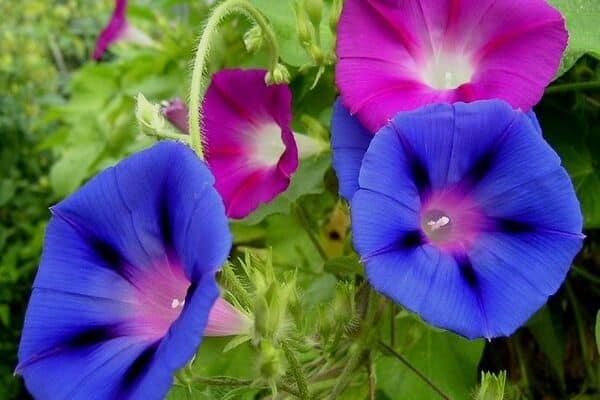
(127, 280)
(464, 215)
(442, 51)
(118, 29)
(248, 142)
(350, 141)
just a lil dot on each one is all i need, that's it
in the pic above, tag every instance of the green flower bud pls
(148, 114)
(279, 75)
(492, 386)
(254, 39)
(305, 29)
(334, 14)
(314, 9)
(271, 361)
(261, 318)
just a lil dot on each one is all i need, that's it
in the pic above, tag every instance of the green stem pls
(301, 382)
(414, 369)
(199, 83)
(522, 364)
(585, 274)
(303, 219)
(346, 376)
(168, 135)
(568, 87)
(581, 329)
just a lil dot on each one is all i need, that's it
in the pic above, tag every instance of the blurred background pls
(64, 117)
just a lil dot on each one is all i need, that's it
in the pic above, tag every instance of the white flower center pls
(434, 225)
(268, 146)
(447, 71)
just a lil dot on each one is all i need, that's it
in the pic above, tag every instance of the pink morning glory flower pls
(249, 145)
(118, 29)
(398, 55)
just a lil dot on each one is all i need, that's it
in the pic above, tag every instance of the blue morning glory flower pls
(462, 213)
(126, 280)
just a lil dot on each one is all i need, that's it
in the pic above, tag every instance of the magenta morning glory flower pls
(464, 215)
(443, 51)
(248, 142)
(119, 29)
(126, 281)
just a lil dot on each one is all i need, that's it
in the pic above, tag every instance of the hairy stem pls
(199, 82)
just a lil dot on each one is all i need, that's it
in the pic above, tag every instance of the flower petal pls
(119, 256)
(444, 51)
(250, 147)
(114, 30)
(349, 143)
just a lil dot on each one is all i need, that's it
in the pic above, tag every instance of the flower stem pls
(199, 82)
(168, 135)
(568, 87)
(581, 329)
(302, 218)
(407, 363)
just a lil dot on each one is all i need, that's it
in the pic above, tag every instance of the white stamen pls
(177, 303)
(440, 223)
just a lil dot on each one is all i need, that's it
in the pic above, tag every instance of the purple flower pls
(444, 51)
(462, 213)
(126, 281)
(250, 147)
(118, 29)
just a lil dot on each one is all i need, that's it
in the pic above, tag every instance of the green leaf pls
(448, 360)
(548, 337)
(579, 148)
(308, 179)
(68, 173)
(320, 291)
(582, 18)
(7, 191)
(344, 265)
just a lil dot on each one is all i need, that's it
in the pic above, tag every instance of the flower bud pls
(270, 361)
(492, 386)
(305, 29)
(334, 14)
(254, 39)
(314, 9)
(147, 114)
(279, 75)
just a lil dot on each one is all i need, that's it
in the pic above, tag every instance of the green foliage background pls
(63, 118)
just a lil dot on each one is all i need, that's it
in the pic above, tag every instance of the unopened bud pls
(304, 28)
(334, 14)
(261, 318)
(254, 39)
(148, 114)
(279, 75)
(314, 9)
(492, 386)
(271, 361)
